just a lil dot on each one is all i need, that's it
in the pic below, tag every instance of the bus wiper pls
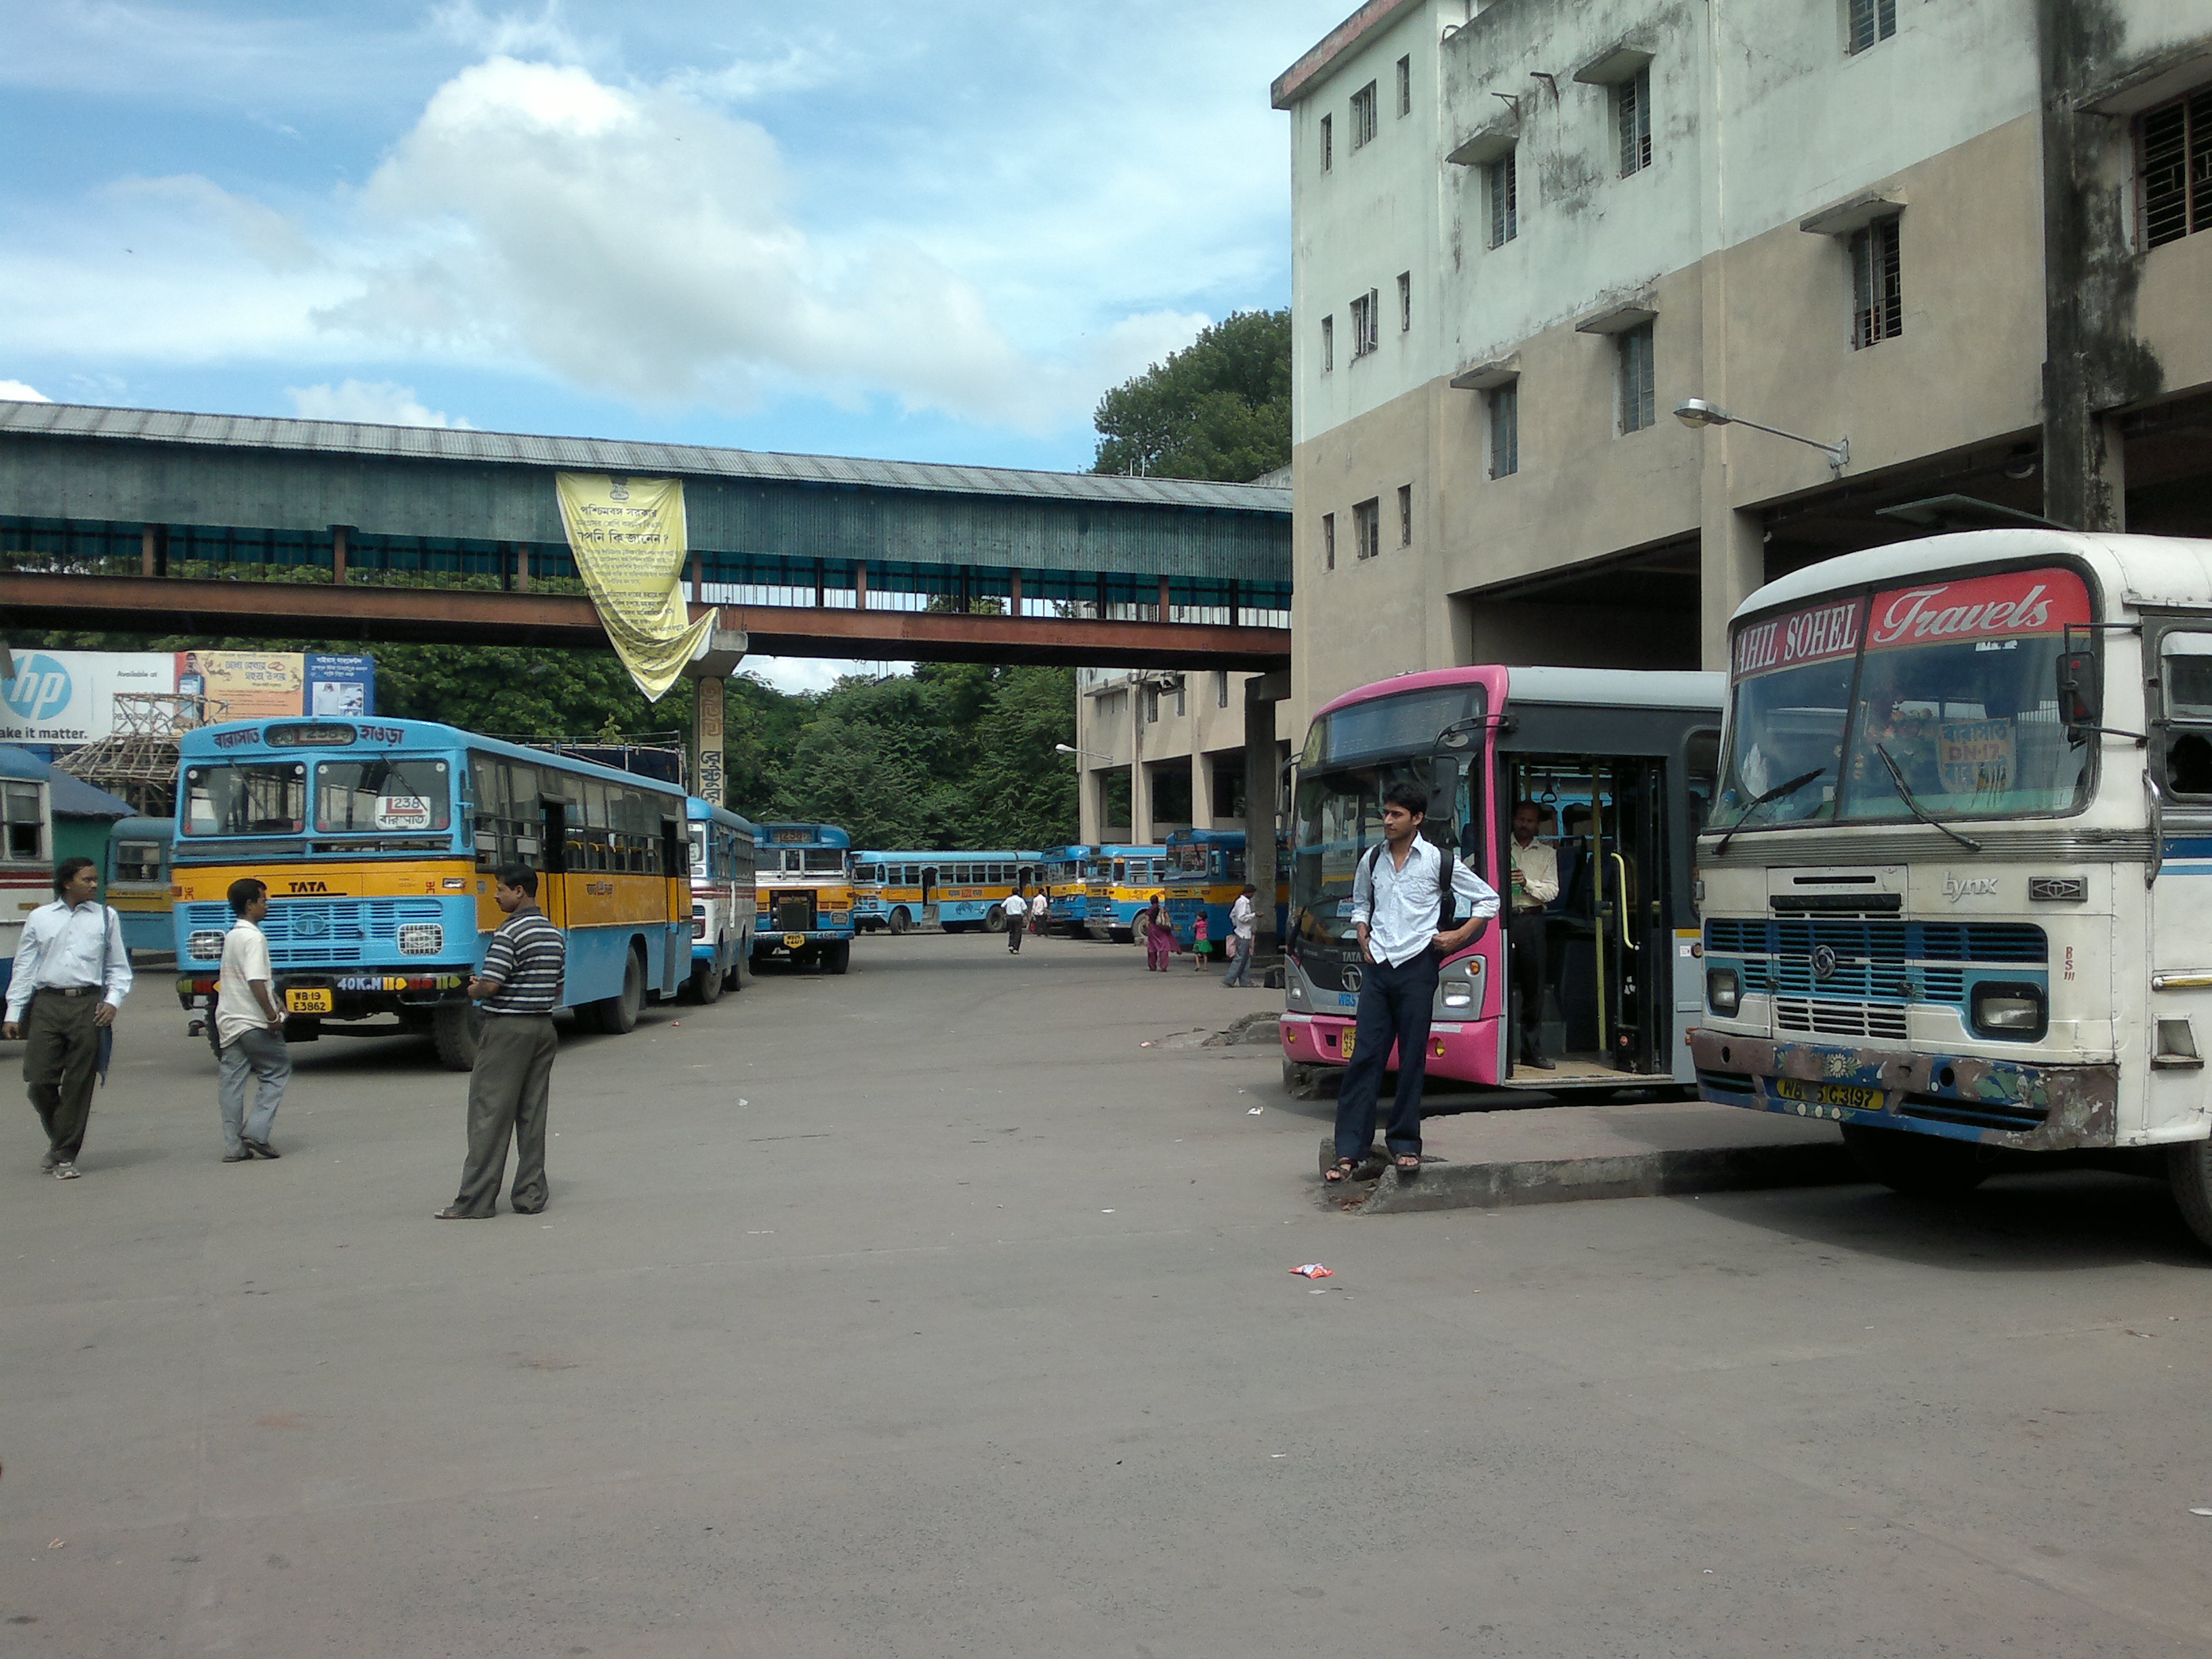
(1757, 801)
(1905, 794)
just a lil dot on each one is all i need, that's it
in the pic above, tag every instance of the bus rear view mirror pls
(2079, 705)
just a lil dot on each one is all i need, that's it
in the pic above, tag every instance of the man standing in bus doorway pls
(1536, 884)
(1242, 916)
(73, 972)
(249, 1030)
(1017, 912)
(1403, 898)
(1040, 912)
(520, 986)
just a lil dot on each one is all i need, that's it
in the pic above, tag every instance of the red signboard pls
(1829, 630)
(2018, 605)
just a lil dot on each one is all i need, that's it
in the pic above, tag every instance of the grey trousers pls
(61, 1060)
(507, 1096)
(264, 1056)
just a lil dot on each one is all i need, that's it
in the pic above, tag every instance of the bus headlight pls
(205, 944)
(1459, 993)
(422, 938)
(1724, 991)
(2017, 1013)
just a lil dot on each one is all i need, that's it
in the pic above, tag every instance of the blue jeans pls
(1240, 967)
(1395, 1003)
(262, 1055)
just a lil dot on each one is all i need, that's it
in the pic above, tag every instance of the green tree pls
(1219, 409)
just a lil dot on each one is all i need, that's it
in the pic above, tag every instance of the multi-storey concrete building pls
(1972, 237)
(1162, 750)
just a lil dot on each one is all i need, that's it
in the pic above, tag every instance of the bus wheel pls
(617, 1014)
(734, 980)
(901, 921)
(2189, 1172)
(707, 981)
(994, 919)
(1919, 1166)
(836, 958)
(457, 1029)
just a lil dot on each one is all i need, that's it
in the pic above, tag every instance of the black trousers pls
(1395, 1004)
(61, 1063)
(1524, 940)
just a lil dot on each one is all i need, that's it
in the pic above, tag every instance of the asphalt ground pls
(927, 1311)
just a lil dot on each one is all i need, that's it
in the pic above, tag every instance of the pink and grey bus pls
(1620, 765)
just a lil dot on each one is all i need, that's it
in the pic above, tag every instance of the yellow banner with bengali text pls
(630, 539)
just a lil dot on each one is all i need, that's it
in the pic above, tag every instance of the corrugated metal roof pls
(621, 455)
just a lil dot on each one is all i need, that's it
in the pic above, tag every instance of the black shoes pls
(261, 1149)
(1537, 1062)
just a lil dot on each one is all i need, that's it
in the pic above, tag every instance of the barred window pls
(1367, 527)
(1504, 405)
(1639, 385)
(1328, 142)
(1504, 192)
(1871, 21)
(1405, 86)
(1877, 286)
(2175, 142)
(1405, 515)
(1328, 343)
(1405, 302)
(1631, 111)
(1363, 116)
(1328, 541)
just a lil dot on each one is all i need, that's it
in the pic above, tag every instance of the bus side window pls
(2185, 680)
(1701, 767)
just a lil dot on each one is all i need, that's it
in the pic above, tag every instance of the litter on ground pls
(1314, 1270)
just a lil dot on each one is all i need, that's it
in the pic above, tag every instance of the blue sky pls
(933, 231)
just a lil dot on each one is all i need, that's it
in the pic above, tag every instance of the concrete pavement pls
(926, 1311)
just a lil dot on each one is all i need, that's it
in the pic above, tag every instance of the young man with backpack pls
(1406, 894)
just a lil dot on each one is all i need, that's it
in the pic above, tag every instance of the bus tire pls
(707, 980)
(617, 1014)
(2189, 1173)
(1919, 1166)
(740, 959)
(994, 919)
(836, 958)
(901, 921)
(457, 1030)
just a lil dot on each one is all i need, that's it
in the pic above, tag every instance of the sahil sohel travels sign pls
(629, 538)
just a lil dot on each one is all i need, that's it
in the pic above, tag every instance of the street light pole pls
(1695, 412)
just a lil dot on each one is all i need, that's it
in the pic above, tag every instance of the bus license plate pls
(307, 1002)
(793, 941)
(1829, 1094)
(1344, 1048)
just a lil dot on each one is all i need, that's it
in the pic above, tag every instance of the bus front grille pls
(329, 932)
(794, 913)
(1831, 1018)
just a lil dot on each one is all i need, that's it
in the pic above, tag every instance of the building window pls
(1221, 688)
(1367, 527)
(1328, 142)
(2176, 146)
(1638, 388)
(1180, 708)
(1877, 288)
(1405, 85)
(1365, 326)
(1405, 302)
(1871, 21)
(1405, 515)
(1152, 704)
(1504, 409)
(1632, 118)
(1504, 191)
(1363, 116)
(1328, 541)
(1328, 343)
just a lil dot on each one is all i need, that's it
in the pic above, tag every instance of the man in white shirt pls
(1536, 884)
(71, 973)
(1040, 911)
(249, 1029)
(1016, 911)
(1403, 898)
(1240, 918)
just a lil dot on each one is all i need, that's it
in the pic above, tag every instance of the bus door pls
(1609, 971)
(553, 860)
(676, 920)
(928, 895)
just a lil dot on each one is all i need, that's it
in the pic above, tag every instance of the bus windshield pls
(380, 793)
(247, 798)
(1340, 816)
(1946, 690)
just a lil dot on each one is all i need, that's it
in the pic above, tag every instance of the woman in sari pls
(1158, 934)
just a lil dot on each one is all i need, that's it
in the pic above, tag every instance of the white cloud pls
(796, 674)
(16, 392)
(381, 403)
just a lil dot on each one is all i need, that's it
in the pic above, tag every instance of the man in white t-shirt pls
(1017, 912)
(249, 1030)
(1040, 911)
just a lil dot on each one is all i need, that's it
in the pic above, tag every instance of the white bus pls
(1957, 884)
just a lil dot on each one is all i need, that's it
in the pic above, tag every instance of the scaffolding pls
(138, 760)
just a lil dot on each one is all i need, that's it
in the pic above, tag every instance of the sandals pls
(1340, 1170)
(1409, 1164)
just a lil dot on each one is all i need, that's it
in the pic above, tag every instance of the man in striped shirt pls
(520, 986)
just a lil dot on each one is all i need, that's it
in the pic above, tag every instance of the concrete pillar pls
(1014, 595)
(709, 674)
(1261, 693)
(860, 587)
(1731, 565)
(339, 550)
(146, 551)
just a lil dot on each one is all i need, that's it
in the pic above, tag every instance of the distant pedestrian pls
(72, 973)
(1242, 916)
(520, 986)
(1040, 912)
(249, 1030)
(1160, 934)
(1017, 912)
(1405, 894)
(1197, 940)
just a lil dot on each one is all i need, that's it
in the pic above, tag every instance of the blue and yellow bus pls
(1064, 872)
(138, 882)
(803, 886)
(725, 902)
(1204, 873)
(377, 840)
(1122, 880)
(957, 891)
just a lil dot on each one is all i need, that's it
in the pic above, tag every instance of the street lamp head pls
(1695, 412)
(1066, 748)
